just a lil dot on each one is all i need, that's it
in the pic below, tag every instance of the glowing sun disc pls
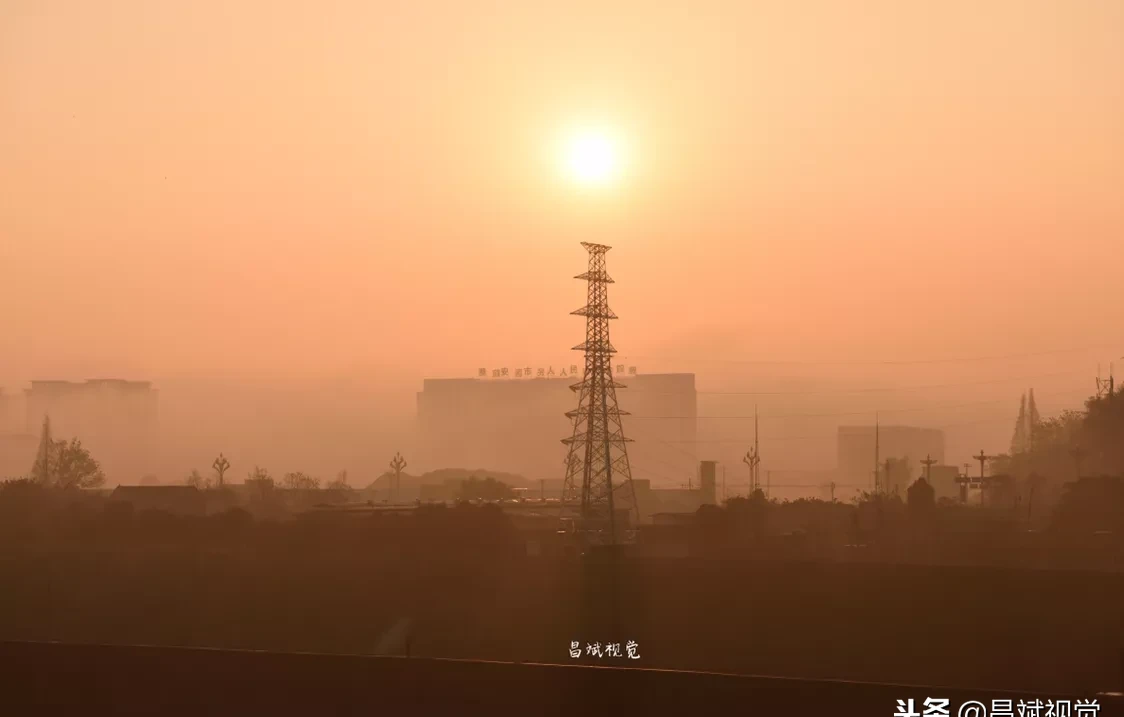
(592, 158)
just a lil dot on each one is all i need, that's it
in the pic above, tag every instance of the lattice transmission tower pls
(598, 475)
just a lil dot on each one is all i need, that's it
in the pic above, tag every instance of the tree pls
(340, 482)
(1000, 491)
(1062, 430)
(486, 489)
(260, 483)
(299, 481)
(43, 470)
(1018, 440)
(999, 465)
(1102, 431)
(75, 467)
(259, 480)
(196, 480)
(59, 464)
(1032, 421)
(749, 516)
(1090, 504)
(920, 496)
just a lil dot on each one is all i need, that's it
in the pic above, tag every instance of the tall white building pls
(518, 425)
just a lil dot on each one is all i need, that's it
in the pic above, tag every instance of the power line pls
(662, 462)
(669, 445)
(866, 412)
(652, 473)
(880, 389)
(876, 362)
(782, 486)
(869, 412)
(827, 436)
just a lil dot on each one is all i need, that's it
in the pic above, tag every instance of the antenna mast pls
(877, 482)
(753, 459)
(756, 453)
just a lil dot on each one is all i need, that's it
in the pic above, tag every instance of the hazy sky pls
(301, 189)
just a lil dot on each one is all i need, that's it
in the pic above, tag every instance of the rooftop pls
(147, 490)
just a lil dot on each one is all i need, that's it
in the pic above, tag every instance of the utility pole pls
(397, 464)
(752, 460)
(983, 458)
(756, 452)
(964, 480)
(928, 463)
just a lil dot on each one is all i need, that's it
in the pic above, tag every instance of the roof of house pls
(163, 491)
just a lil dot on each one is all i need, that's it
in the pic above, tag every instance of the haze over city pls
(315, 206)
(765, 351)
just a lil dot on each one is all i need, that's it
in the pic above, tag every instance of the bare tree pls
(299, 481)
(260, 483)
(340, 482)
(197, 480)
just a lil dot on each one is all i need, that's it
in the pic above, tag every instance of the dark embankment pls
(72, 679)
(965, 627)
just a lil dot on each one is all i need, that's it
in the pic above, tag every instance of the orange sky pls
(305, 189)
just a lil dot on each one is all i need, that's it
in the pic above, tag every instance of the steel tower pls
(598, 475)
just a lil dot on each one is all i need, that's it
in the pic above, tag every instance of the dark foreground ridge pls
(53, 678)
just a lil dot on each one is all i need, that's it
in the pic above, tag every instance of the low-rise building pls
(651, 501)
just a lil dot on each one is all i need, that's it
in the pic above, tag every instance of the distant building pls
(654, 501)
(517, 425)
(115, 419)
(944, 481)
(855, 449)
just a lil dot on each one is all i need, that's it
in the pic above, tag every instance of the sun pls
(592, 157)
